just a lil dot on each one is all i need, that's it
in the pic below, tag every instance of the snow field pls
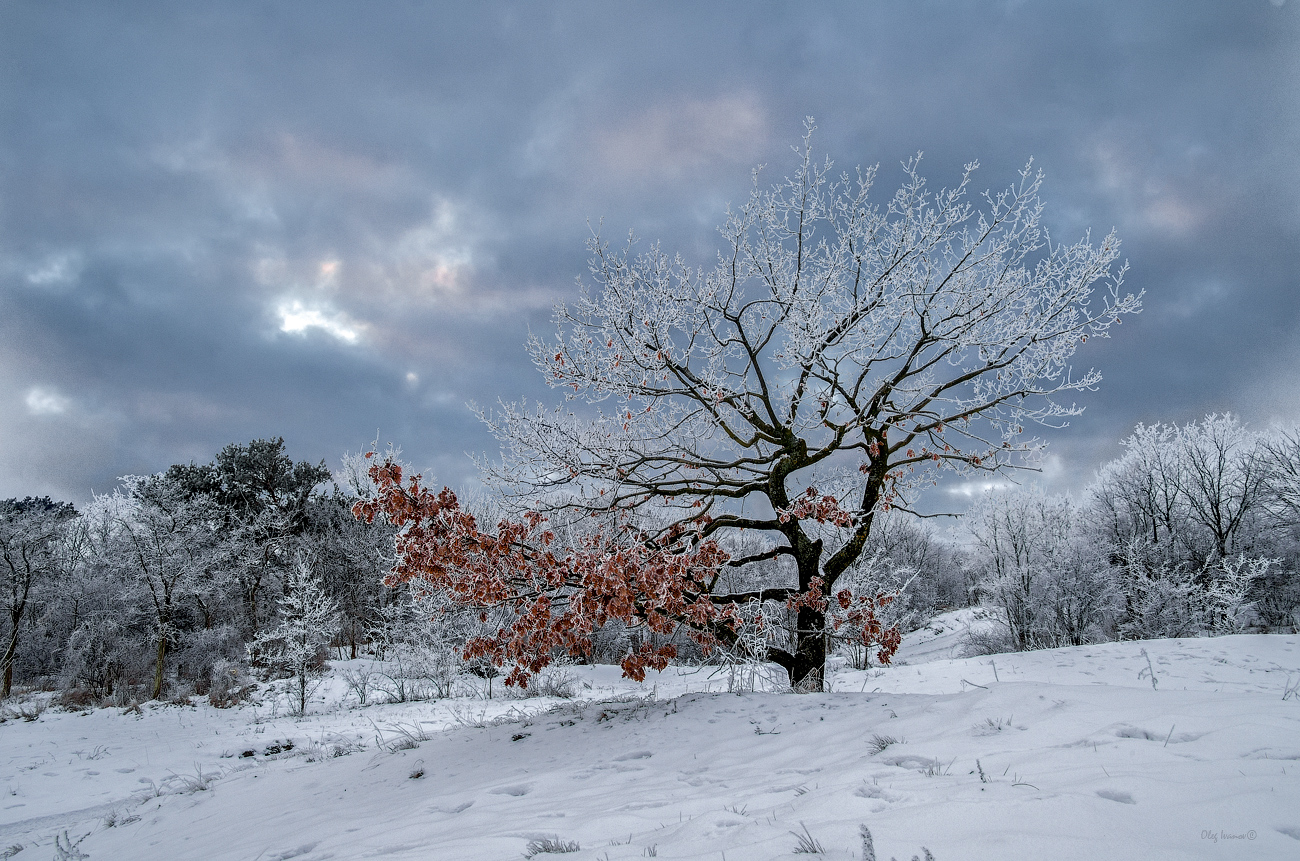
(1080, 758)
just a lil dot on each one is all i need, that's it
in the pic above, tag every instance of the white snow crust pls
(1081, 759)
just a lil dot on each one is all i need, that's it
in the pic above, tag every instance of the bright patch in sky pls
(46, 402)
(970, 489)
(297, 318)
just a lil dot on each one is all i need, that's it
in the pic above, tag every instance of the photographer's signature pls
(1216, 836)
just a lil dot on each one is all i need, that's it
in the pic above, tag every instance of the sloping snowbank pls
(1080, 758)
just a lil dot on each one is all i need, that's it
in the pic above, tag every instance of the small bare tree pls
(309, 618)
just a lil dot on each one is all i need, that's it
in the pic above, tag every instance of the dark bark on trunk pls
(807, 668)
(11, 650)
(810, 656)
(16, 610)
(158, 667)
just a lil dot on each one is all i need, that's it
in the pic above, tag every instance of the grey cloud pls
(173, 182)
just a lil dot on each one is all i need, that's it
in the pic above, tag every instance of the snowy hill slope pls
(1080, 757)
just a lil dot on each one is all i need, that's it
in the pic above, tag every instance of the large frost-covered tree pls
(836, 353)
(264, 497)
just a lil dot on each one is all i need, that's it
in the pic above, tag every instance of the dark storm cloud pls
(239, 220)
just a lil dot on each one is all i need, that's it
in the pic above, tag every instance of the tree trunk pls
(11, 649)
(809, 668)
(158, 667)
(250, 605)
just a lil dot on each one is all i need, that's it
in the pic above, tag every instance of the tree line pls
(158, 587)
(173, 584)
(1192, 531)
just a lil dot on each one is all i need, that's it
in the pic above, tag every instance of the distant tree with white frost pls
(309, 619)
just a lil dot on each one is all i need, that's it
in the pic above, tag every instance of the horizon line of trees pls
(174, 584)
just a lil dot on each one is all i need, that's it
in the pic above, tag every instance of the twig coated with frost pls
(1149, 671)
(1289, 690)
(868, 845)
(66, 849)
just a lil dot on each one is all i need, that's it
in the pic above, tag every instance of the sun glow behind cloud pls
(296, 318)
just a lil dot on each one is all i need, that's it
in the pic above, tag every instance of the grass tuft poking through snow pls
(805, 843)
(551, 846)
(879, 743)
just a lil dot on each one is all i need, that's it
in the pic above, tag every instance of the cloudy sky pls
(224, 221)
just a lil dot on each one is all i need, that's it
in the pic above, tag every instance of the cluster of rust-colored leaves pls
(823, 509)
(556, 597)
(857, 613)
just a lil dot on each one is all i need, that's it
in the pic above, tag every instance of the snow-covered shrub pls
(360, 679)
(1159, 596)
(609, 643)
(198, 655)
(229, 684)
(556, 681)
(1050, 580)
(1227, 609)
(1081, 599)
(108, 657)
(1161, 600)
(420, 644)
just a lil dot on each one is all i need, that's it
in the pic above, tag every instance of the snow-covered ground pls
(1061, 754)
